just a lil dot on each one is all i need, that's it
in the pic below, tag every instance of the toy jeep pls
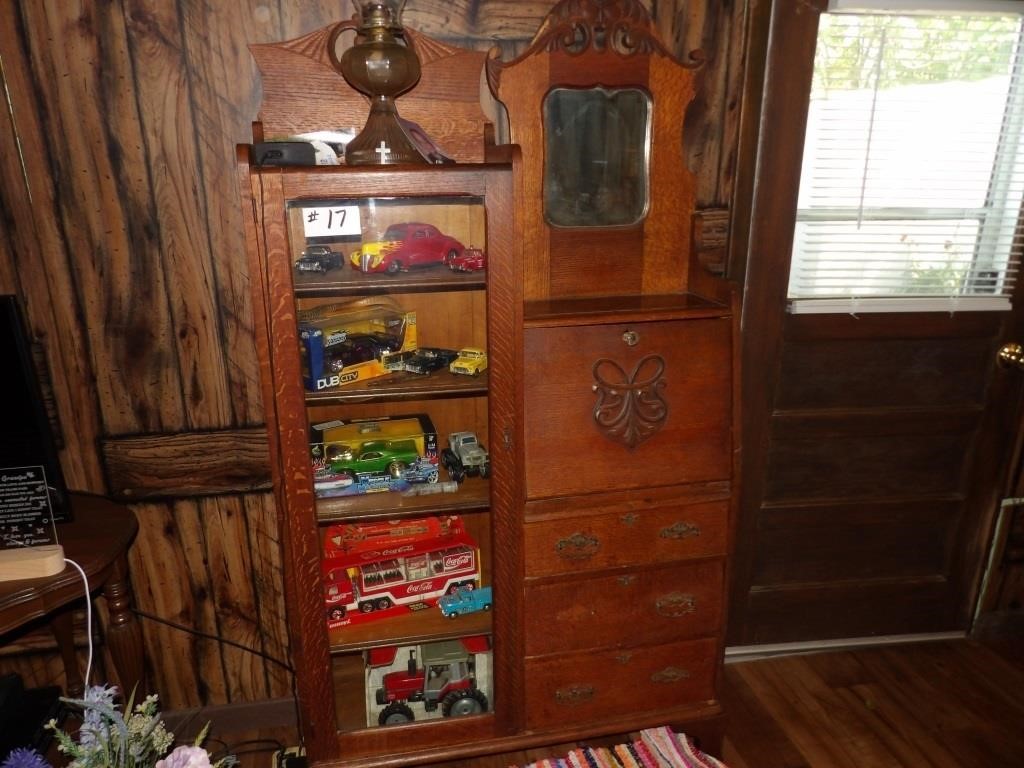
(465, 456)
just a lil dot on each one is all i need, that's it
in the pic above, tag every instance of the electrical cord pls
(199, 633)
(88, 617)
(193, 631)
(88, 606)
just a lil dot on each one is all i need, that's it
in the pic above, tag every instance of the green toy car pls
(374, 457)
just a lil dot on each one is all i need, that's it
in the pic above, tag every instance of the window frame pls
(992, 219)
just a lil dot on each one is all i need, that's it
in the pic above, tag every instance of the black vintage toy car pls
(430, 359)
(318, 258)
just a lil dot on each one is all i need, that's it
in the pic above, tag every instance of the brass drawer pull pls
(632, 338)
(679, 531)
(574, 694)
(670, 675)
(675, 605)
(626, 580)
(624, 658)
(629, 519)
(579, 546)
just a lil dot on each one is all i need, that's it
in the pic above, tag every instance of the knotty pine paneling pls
(120, 228)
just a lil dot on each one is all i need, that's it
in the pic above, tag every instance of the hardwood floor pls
(950, 704)
(954, 704)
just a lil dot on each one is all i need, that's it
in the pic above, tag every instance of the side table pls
(97, 539)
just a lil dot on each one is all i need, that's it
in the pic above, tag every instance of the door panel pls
(875, 446)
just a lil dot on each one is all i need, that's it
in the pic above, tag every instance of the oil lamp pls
(382, 66)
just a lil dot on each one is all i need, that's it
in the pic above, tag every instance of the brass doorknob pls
(1011, 356)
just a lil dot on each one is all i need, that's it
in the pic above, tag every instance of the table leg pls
(62, 627)
(124, 635)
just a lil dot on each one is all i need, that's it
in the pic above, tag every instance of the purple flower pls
(185, 757)
(24, 758)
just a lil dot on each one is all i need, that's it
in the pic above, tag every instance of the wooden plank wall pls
(120, 228)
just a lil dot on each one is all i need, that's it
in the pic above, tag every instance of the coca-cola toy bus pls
(375, 570)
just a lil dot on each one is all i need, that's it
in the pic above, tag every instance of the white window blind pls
(913, 169)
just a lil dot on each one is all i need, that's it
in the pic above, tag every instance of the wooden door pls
(876, 446)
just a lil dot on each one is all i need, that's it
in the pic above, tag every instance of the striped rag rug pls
(656, 748)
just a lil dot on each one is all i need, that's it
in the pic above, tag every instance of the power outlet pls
(289, 757)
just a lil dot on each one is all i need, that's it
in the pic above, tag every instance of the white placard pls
(331, 221)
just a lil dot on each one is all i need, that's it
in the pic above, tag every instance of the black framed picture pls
(30, 472)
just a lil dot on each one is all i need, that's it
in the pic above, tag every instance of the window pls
(913, 170)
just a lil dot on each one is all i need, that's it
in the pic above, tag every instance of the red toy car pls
(405, 246)
(470, 260)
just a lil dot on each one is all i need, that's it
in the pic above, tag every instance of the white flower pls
(186, 757)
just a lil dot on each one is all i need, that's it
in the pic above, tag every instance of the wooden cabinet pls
(629, 384)
(400, 530)
(603, 524)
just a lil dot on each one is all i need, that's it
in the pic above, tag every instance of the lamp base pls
(31, 562)
(383, 140)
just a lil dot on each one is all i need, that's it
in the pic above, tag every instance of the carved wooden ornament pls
(630, 408)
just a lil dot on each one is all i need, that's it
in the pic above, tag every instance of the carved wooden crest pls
(629, 407)
(622, 26)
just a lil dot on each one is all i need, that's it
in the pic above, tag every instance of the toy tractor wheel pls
(366, 607)
(485, 470)
(451, 256)
(394, 267)
(383, 604)
(395, 469)
(457, 473)
(395, 713)
(469, 701)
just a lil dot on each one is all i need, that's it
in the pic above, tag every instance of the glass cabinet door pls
(391, 328)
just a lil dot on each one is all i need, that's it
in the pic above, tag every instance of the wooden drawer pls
(636, 537)
(652, 606)
(606, 414)
(568, 690)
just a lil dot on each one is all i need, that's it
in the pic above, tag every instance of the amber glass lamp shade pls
(382, 66)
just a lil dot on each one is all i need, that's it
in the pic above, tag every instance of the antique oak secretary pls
(607, 407)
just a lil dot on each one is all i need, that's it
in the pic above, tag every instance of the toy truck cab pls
(446, 679)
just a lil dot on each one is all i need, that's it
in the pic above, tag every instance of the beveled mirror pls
(604, 196)
(596, 156)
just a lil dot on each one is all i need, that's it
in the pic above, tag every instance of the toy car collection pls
(470, 362)
(405, 246)
(465, 456)
(319, 258)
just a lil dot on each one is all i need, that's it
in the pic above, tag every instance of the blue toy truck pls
(465, 601)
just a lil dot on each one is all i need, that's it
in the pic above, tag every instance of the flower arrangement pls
(110, 738)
